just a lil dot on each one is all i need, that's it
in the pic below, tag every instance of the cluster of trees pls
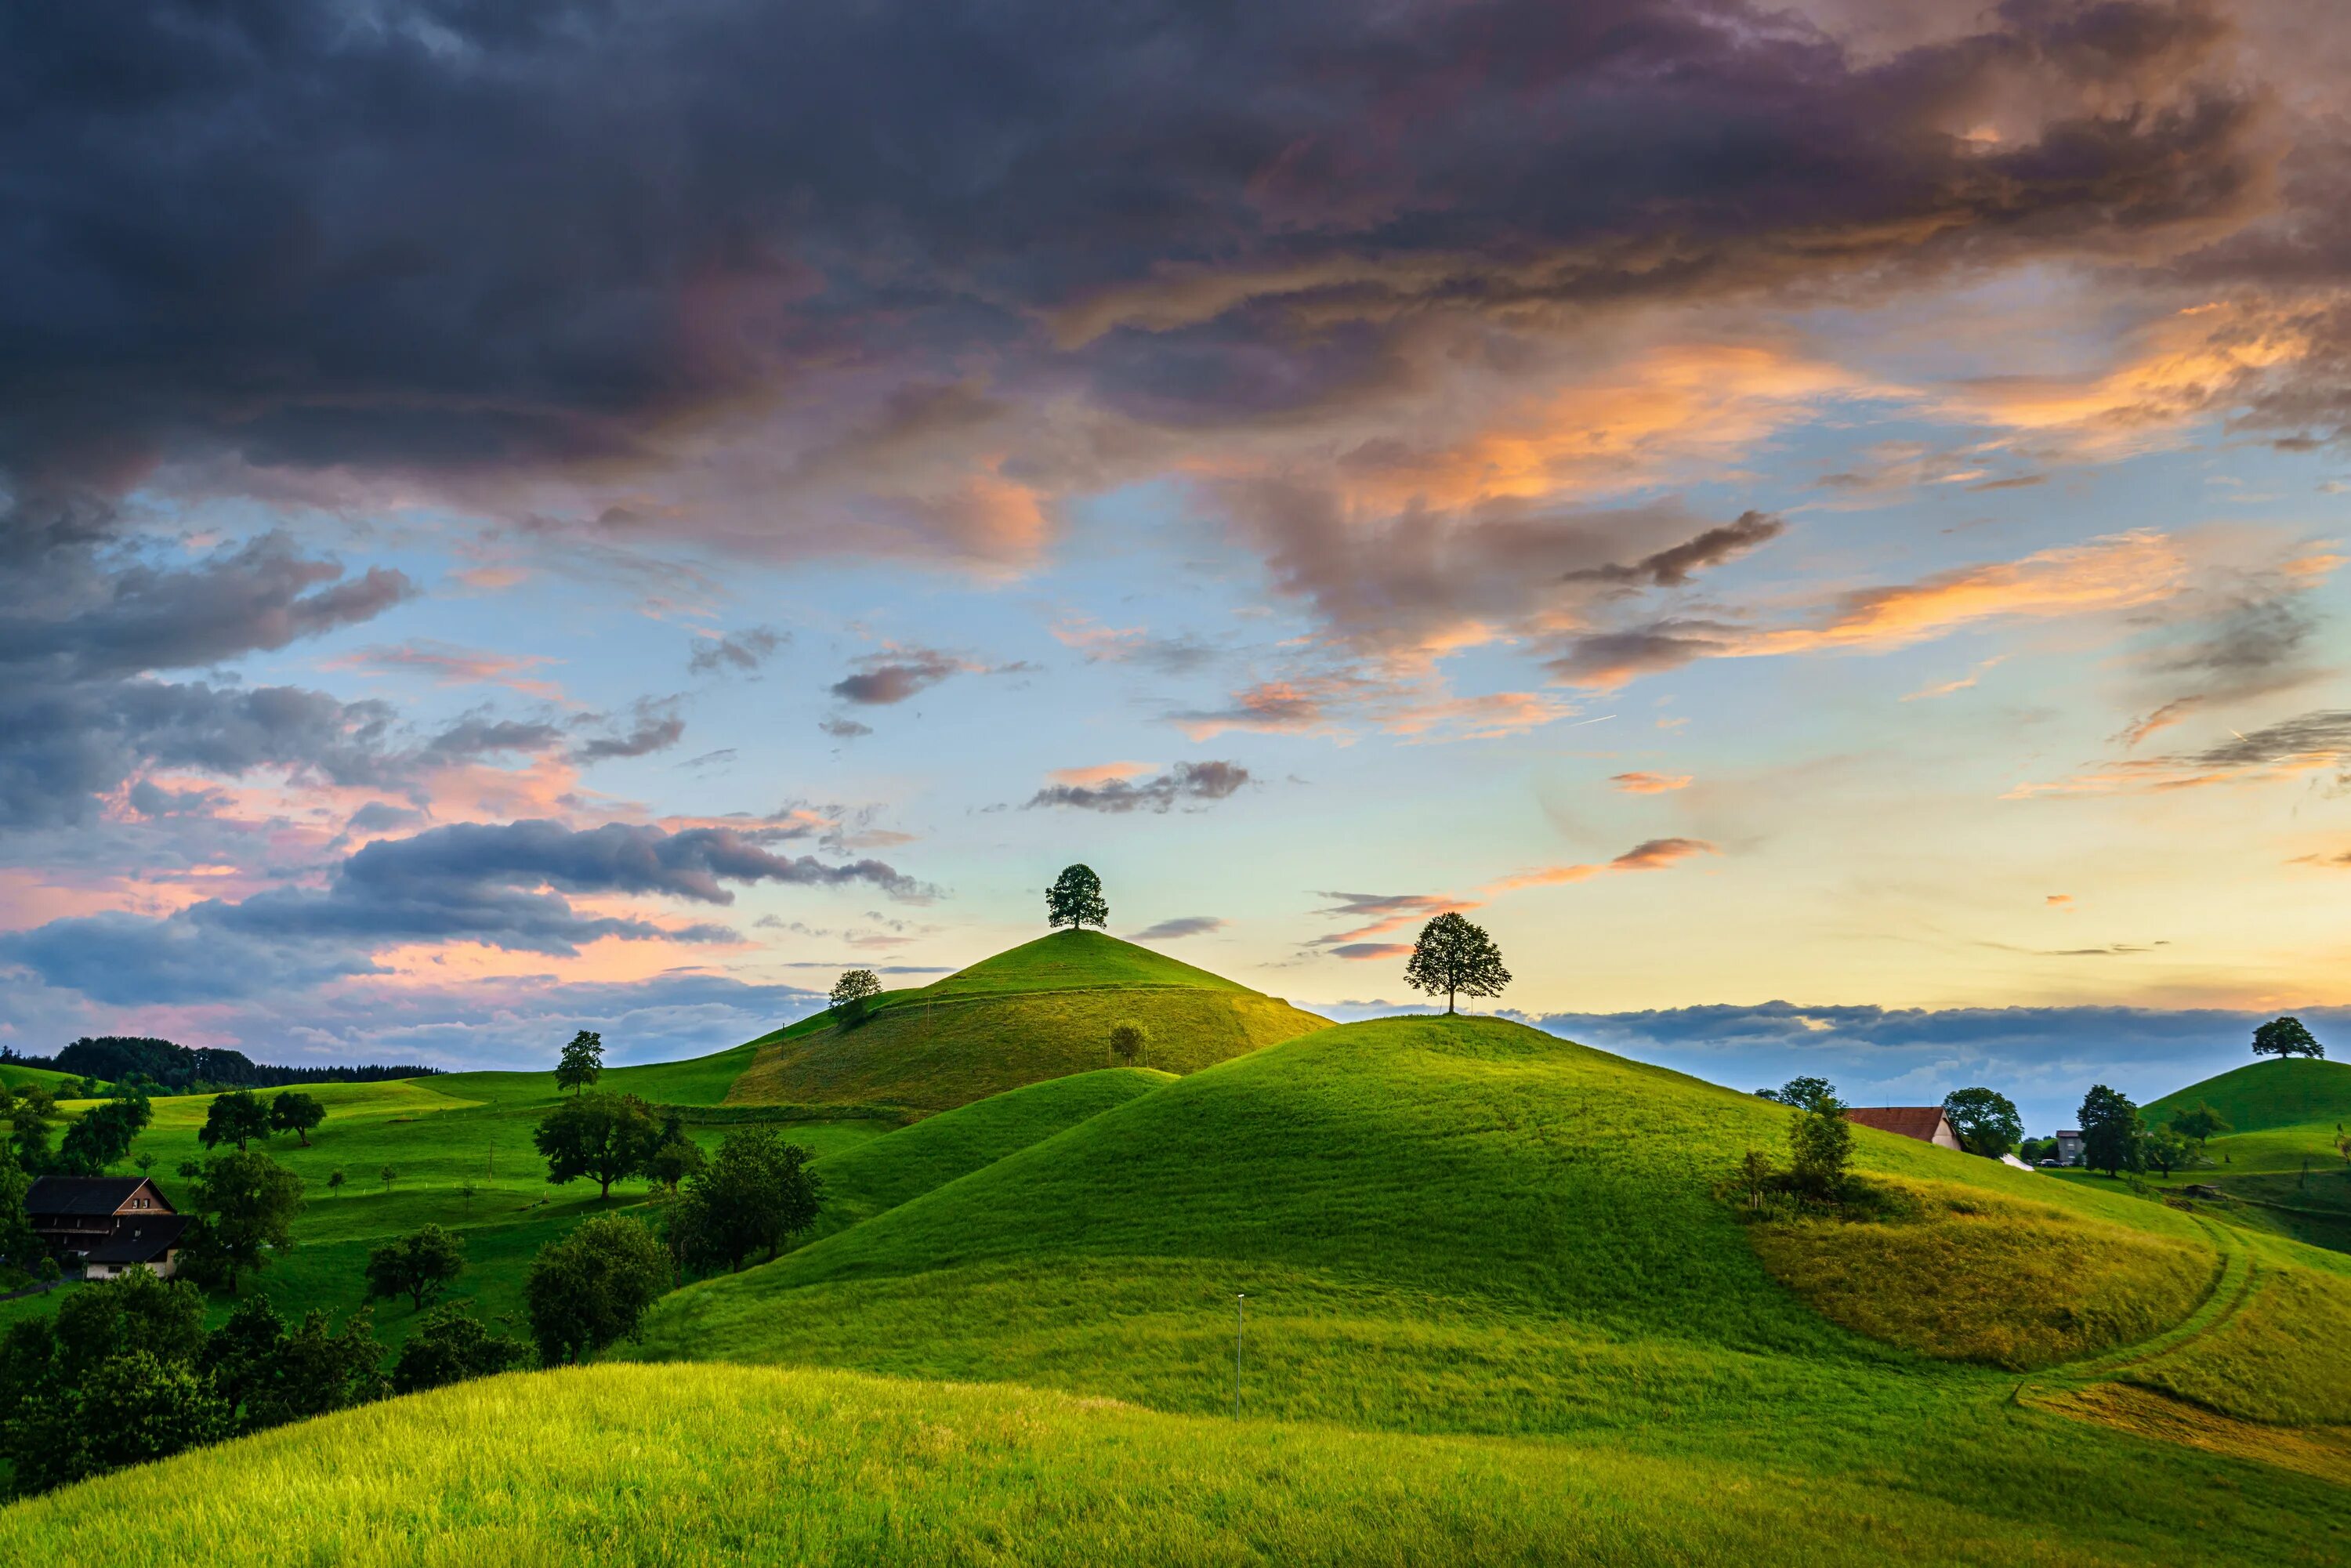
(241, 1117)
(1820, 1149)
(163, 1067)
(94, 1141)
(2116, 1136)
(753, 1196)
(124, 1372)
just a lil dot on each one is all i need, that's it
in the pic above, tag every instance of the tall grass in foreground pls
(692, 1465)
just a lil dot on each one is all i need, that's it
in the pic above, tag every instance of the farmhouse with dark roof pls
(108, 1224)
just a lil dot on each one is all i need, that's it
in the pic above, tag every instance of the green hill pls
(866, 1178)
(2286, 1092)
(1497, 1309)
(1042, 1011)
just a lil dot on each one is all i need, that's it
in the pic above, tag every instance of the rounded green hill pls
(1043, 1009)
(2288, 1092)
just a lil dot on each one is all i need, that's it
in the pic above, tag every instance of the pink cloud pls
(1649, 783)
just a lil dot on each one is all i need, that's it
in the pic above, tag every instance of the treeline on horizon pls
(180, 1069)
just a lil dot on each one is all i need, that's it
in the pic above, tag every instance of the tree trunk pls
(1448, 1003)
(608, 1189)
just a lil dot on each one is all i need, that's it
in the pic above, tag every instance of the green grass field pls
(1498, 1310)
(1042, 1010)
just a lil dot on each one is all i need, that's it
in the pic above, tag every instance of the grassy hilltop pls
(1042, 1011)
(1499, 1309)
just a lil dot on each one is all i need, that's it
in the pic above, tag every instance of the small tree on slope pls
(1453, 957)
(854, 993)
(1075, 900)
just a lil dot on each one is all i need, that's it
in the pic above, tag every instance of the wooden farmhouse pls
(1924, 1122)
(108, 1224)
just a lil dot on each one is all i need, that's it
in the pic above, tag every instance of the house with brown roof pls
(1924, 1122)
(109, 1225)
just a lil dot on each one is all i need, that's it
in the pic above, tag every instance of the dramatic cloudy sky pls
(1823, 525)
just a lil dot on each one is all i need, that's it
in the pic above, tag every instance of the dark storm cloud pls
(1201, 781)
(893, 677)
(432, 237)
(505, 886)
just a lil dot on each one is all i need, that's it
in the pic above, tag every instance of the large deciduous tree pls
(600, 1136)
(854, 993)
(1454, 958)
(582, 1063)
(419, 1265)
(237, 1117)
(1985, 1119)
(2111, 1131)
(589, 1291)
(296, 1112)
(103, 1136)
(1075, 900)
(246, 1204)
(754, 1195)
(2287, 1036)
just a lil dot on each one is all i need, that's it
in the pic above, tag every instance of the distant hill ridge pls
(2286, 1092)
(1043, 1009)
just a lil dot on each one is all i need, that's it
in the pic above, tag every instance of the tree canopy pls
(583, 1062)
(2198, 1123)
(754, 1195)
(2287, 1036)
(237, 1117)
(246, 1204)
(853, 992)
(103, 1136)
(603, 1136)
(2111, 1131)
(296, 1112)
(589, 1291)
(1985, 1119)
(419, 1265)
(1805, 1092)
(1129, 1042)
(1076, 900)
(1453, 957)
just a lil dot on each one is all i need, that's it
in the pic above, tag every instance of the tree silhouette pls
(1075, 900)
(853, 992)
(1455, 956)
(2284, 1037)
(583, 1062)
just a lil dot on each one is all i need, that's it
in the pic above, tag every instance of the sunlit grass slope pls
(1960, 1272)
(1042, 1011)
(670, 1465)
(1496, 1201)
(881, 1173)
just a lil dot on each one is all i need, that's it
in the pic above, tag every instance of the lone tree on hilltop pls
(1985, 1119)
(2284, 1037)
(1075, 900)
(2112, 1135)
(296, 1112)
(1455, 956)
(582, 1063)
(854, 993)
